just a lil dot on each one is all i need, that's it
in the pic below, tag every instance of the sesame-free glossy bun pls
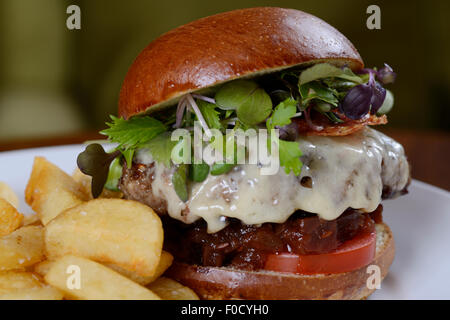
(227, 46)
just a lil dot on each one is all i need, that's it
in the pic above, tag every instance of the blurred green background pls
(55, 81)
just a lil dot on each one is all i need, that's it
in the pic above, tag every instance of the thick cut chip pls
(22, 248)
(164, 263)
(122, 232)
(10, 219)
(50, 190)
(42, 267)
(84, 279)
(11, 281)
(168, 289)
(37, 293)
(31, 220)
(8, 194)
(19, 285)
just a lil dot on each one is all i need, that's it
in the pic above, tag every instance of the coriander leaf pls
(233, 94)
(290, 154)
(210, 114)
(161, 147)
(134, 132)
(282, 113)
(198, 172)
(326, 70)
(179, 182)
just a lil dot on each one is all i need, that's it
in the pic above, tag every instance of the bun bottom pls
(224, 283)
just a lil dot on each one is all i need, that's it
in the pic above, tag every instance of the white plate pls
(420, 222)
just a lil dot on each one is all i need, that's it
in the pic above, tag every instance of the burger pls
(311, 230)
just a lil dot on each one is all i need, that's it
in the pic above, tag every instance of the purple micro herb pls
(363, 98)
(356, 103)
(386, 75)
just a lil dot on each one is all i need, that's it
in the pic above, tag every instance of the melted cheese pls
(346, 172)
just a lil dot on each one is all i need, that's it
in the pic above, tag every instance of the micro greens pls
(337, 93)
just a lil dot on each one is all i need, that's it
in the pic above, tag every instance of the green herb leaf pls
(332, 117)
(289, 73)
(315, 90)
(179, 182)
(128, 155)
(161, 147)
(326, 70)
(198, 172)
(228, 113)
(134, 132)
(282, 113)
(221, 168)
(210, 114)
(233, 94)
(339, 84)
(323, 106)
(252, 104)
(114, 174)
(290, 154)
(95, 162)
(289, 151)
(256, 108)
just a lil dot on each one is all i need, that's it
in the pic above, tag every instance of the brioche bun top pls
(227, 46)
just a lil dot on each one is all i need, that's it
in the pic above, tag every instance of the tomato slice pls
(351, 255)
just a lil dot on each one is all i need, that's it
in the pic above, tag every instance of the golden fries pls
(42, 267)
(10, 219)
(84, 279)
(164, 263)
(84, 182)
(37, 293)
(17, 280)
(8, 194)
(22, 248)
(115, 244)
(25, 286)
(31, 220)
(50, 190)
(125, 233)
(169, 289)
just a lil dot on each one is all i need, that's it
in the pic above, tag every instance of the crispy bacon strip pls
(338, 129)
